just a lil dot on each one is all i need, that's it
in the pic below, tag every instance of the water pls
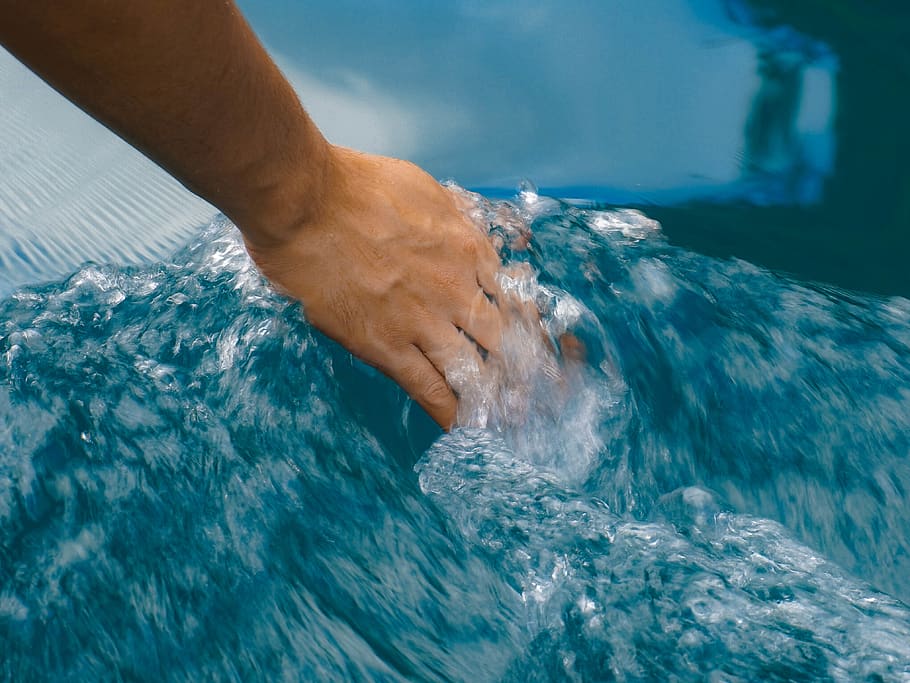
(701, 474)
(769, 130)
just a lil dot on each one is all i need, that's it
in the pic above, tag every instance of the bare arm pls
(375, 249)
(188, 84)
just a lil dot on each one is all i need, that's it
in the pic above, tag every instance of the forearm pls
(186, 82)
(394, 271)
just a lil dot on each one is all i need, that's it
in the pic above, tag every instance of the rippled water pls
(702, 474)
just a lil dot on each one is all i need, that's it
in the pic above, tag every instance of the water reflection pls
(629, 99)
(787, 146)
(836, 211)
(758, 128)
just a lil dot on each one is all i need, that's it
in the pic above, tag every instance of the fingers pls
(442, 361)
(478, 314)
(482, 320)
(488, 264)
(444, 364)
(425, 384)
(452, 354)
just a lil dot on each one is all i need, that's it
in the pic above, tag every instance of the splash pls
(537, 390)
(620, 580)
(685, 467)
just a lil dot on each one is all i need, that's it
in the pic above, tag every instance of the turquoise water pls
(713, 484)
(702, 475)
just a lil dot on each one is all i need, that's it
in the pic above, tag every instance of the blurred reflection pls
(771, 130)
(632, 98)
(786, 154)
(840, 211)
(771, 140)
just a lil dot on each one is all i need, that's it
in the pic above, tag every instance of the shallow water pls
(194, 484)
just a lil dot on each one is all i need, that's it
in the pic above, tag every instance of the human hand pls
(390, 268)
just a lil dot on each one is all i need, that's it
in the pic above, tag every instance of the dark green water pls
(856, 231)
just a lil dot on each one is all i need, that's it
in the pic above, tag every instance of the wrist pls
(287, 192)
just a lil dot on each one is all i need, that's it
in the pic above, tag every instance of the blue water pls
(711, 483)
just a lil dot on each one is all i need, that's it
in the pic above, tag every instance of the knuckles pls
(436, 393)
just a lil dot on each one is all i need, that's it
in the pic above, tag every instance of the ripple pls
(689, 467)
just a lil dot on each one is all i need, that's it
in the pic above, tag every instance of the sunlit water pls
(698, 472)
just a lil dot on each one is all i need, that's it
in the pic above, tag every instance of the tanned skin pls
(381, 257)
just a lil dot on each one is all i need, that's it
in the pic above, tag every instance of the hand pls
(375, 249)
(391, 269)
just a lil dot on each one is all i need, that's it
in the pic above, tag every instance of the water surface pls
(703, 473)
(196, 484)
(767, 130)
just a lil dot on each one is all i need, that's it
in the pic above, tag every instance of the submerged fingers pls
(414, 372)
(465, 314)
(482, 321)
(488, 265)
(453, 354)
